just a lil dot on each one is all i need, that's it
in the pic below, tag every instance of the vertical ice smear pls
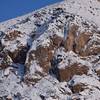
(66, 29)
(69, 18)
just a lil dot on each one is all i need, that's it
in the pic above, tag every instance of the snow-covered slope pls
(52, 53)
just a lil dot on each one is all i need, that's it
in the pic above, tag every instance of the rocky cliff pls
(52, 53)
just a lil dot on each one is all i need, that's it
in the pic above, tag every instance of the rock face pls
(12, 35)
(5, 60)
(16, 49)
(65, 65)
(19, 56)
(82, 44)
(44, 54)
(75, 69)
(82, 41)
(52, 53)
(84, 87)
(86, 43)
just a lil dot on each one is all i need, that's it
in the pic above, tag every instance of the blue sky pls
(13, 8)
